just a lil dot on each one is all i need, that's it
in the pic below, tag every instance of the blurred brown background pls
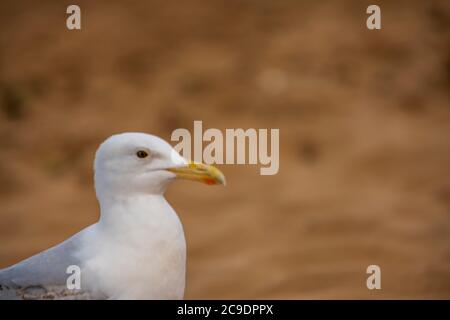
(364, 121)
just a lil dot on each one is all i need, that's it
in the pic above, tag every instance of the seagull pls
(137, 248)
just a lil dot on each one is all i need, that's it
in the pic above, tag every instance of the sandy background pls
(364, 119)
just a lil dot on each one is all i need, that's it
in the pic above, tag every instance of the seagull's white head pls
(132, 163)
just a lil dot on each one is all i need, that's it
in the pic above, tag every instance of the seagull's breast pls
(136, 252)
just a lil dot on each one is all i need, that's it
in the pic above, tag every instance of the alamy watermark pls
(374, 280)
(73, 21)
(373, 22)
(73, 281)
(235, 146)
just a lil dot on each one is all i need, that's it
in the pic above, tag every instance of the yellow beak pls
(199, 172)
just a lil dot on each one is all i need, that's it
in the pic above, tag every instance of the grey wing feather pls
(43, 276)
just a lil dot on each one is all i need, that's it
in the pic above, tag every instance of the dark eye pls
(142, 154)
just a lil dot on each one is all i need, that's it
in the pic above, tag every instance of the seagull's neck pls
(134, 209)
(143, 234)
